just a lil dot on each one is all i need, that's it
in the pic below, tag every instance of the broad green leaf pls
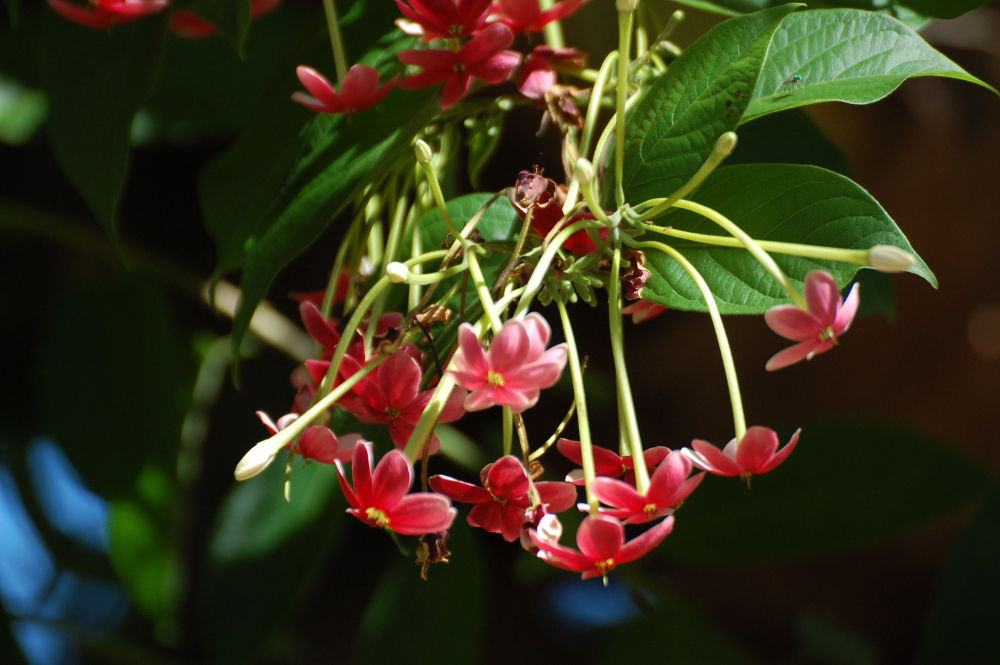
(270, 551)
(95, 81)
(230, 17)
(843, 55)
(112, 382)
(777, 202)
(961, 624)
(675, 124)
(439, 620)
(846, 485)
(915, 13)
(500, 223)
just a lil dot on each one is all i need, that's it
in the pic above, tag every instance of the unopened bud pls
(584, 171)
(726, 143)
(398, 272)
(422, 151)
(549, 528)
(887, 258)
(256, 460)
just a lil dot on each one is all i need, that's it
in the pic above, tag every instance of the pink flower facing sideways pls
(445, 18)
(359, 90)
(668, 487)
(381, 500)
(103, 14)
(483, 57)
(527, 15)
(756, 452)
(601, 540)
(504, 498)
(514, 370)
(607, 462)
(316, 443)
(817, 329)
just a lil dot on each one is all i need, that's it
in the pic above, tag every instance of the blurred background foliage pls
(125, 539)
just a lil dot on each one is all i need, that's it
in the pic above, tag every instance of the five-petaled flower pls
(601, 540)
(607, 462)
(446, 18)
(483, 57)
(816, 330)
(317, 442)
(103, 14)
(505, 496)
(381, 499)
(514, 370)
(359, 90)
(668, 487)
(756, 452)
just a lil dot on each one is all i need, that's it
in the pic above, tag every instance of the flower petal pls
(459, 490)
(845, 315)
(717, 462)
(507, 478)
(392, 479)
(644, 542)
(420, 513)
(793, 354)
(792, 322)
(822, 296)
(361, 470)
(600, 538)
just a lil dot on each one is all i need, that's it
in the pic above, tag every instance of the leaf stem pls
(580, 397)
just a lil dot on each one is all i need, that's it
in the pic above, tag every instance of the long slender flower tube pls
(514, 370)
(601, 540)
(504, 498)
(756, 452)
(817, 328)
(380, 499)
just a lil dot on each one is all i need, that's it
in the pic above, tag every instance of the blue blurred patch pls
(588, 604)
(69, 506)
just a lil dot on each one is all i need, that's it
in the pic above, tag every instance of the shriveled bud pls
(422, 151)
(398, 272)
(887, 258)
(256, 460)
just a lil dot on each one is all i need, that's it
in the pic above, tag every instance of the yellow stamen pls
(376, 517)
(495, 379)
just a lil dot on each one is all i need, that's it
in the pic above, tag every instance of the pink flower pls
(607, 462)
(504, 497)
(316, 443)
(817, 329)
(482, 57)
(185, 23)
(537, 76)
(527, 15)
(446, 18)
(103, 14)
(757, 452)
(643, 310)
(602, 546)
(392, 395)
(381, 499)
(359, 90)
(514, 370)
(668, 487)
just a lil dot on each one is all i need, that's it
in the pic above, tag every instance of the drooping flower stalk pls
(626, 11)
(336, 40)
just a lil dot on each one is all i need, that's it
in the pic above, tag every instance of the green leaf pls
(95, 82)
(141, 557)
(675, 124)
(500, 223)
(777, 202)
(914, 13)
(269, 550)
(789, 138)
(112, 382)
(843, 55)
(846, 485)
(961, 624)
(482, 137)
(230, 17)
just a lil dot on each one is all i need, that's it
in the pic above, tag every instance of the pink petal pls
(487, 515)
(485, 44)
(420, 513)
(479, 400)
(667, 478)
(539, 333)
(507, 479)
(399, 378)
(519, 401)
(822, 296)
(643, 543)
(497, 68)
(718, 463)
(793, 354)
(782, 454)
(317, 326)
(318, 443)
(537, 77)
(509, 347)
(845, 316)
(454, 408)
(556, 496)
(319, 87)
(459, 490)
(392, 479)
(512, 519)
(345, 487)
(617, 493)
(471, 358)
(756, 449)
(600, 538)
(361, 470)
(792, 323)
(455, 87)
(560, 555)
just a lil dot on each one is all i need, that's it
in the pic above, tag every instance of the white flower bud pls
(398, 272)
(887, 258)
(256, 460)
(422, 151)
(726, 143)
(584, 170)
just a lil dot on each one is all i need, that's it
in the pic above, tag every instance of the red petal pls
(420, 513)
(794, 354)
(320, 88)
(507, 478)
(318, 443)
(392, 479)
(718, 463)
(600, 538)
(822, 296)
(782, 454)
(793, 323)
(361, 471)
(556, 496)
(459, 490)
(643, 543)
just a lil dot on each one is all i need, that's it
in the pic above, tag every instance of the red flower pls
(643, 310)
(316, 443)
(103, 14)
(668, 487)
(607, 462)
(392, 395)
(817, 329)
(527, 15)
(359, 90)
(381, 499)
(482, 57)
(446, 18)
(185, 23)
(537, 76)
(602, 546)
(757, 452)
(504, 496)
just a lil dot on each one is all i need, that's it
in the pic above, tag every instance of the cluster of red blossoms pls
(104, 14)
(476, 35)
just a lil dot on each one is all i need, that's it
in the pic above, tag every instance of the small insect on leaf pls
(792, 81)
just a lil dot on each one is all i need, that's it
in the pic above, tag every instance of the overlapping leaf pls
(843, 55)
(778, 202)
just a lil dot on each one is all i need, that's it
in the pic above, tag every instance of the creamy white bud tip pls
(887, 258)
(549, 528)
(398, 272)
(584, 170)
(626, 5)
(256, 460)
(726, 143)
(422, 151)
(678, 15)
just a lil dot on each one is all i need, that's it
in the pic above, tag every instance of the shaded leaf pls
(95, 82)
(843, 55)
(789, 138)
(141, 556)
(915, 13)
(230, 17)
(482, 138)
(778, 202)
(846, 485)
(675, 124)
